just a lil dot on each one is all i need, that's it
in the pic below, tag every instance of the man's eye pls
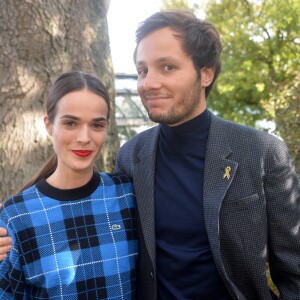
(142, 72)
(169, 67)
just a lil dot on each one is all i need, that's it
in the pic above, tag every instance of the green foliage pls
(261, 47)
(170, 4)
(288, 117)
(271, 283)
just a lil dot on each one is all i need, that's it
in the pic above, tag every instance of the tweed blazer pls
(251, 208)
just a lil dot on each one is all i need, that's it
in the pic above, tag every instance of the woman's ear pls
(207, 76)
(48, 125)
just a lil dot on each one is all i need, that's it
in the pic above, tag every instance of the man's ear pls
(48, 125)
(207, 76)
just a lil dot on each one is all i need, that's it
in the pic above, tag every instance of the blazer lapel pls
(143, 177)
(218, 175)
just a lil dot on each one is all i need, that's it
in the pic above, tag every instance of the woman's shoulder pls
(15, 209)
(19, 198)
(117, 186)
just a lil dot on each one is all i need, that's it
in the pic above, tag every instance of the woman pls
(73, 229)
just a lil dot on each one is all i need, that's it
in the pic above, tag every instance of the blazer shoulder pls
(136, 149)
(142, 139)
(234, 131)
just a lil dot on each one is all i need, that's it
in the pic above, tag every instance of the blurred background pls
(39, 40)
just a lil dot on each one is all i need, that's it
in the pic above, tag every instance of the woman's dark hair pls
(65, 84)
(200, 39)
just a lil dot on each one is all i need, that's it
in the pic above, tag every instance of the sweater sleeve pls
(12, 281)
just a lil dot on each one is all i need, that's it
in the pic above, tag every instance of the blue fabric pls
(71, 249)
(185, 265)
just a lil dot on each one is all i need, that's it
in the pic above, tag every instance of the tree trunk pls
(39, 40)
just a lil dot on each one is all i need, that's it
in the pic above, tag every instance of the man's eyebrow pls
(159, 60)
(166, 58)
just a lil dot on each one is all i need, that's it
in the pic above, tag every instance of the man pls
(217, 201)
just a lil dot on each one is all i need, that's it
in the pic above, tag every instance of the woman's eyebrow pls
(77, 118)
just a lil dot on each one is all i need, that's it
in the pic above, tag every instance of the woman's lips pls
(82, 153)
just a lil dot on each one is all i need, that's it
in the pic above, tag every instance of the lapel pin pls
(227, 173)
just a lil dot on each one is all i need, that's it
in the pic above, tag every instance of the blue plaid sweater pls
(71, 244)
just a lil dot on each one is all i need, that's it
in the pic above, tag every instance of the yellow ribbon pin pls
(227, 173)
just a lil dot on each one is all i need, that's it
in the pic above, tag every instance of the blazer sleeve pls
(283, 211)
(118, 167)
(124, 161)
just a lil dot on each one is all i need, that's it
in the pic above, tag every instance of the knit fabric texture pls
(70, 248)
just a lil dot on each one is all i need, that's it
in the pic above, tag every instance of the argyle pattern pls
(75, 249)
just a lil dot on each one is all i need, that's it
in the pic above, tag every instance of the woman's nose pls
(83, 135)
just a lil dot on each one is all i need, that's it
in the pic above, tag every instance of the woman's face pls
(79, 131)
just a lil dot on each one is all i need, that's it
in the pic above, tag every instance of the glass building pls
(131, 116)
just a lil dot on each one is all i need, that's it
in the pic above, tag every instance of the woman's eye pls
(98, 125)
(69, 123)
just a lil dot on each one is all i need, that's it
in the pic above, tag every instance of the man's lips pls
(156, 97)
(156, 100)
(82, 153)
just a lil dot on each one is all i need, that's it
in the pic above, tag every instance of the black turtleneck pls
(185, 266)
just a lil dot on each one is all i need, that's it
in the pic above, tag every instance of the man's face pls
(168, 83)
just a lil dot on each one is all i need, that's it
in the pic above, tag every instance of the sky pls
(123, 18)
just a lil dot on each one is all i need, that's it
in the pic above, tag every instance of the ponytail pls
(47, 169)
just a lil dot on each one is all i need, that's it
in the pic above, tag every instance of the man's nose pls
(151, 81)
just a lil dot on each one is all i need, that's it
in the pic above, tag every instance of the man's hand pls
(5, 243)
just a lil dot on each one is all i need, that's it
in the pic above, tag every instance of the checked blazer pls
(252, 214)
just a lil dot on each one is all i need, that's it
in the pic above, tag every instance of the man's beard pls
(190, 100)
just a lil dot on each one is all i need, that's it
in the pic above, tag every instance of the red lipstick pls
(82, 153)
